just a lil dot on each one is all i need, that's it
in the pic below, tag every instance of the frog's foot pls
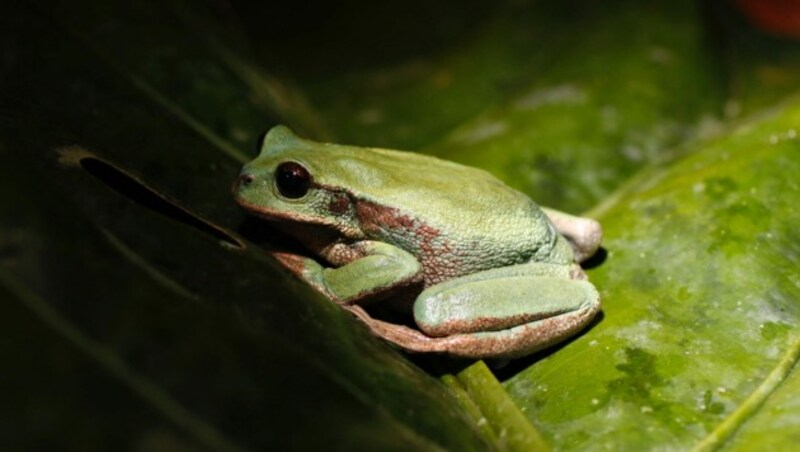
(407, 338)
(584, 234)
(414, 341)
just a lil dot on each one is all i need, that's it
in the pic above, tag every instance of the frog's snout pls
(245, 179)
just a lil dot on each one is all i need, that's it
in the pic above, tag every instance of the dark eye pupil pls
(292, 180)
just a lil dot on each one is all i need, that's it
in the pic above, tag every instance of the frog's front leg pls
(381, 269)
(506, 312)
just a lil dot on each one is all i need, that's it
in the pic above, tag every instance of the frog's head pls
(281, 185)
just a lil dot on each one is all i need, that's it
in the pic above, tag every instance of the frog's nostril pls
(246, 179)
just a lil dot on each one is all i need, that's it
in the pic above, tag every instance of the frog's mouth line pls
(276, 216)
(273, 231)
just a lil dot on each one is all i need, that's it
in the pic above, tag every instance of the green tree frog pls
(486, 271)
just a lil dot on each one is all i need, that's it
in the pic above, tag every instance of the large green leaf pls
(700, 301)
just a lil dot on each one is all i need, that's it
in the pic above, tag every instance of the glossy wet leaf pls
(700, 302)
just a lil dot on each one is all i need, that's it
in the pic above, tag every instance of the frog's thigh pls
(544, 308)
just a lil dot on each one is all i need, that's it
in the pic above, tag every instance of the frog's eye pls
(292, 179)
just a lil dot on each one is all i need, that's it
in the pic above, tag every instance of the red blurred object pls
(779, 17)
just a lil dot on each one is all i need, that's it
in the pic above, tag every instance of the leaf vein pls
(725, 430)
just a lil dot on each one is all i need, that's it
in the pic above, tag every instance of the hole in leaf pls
(135, 190)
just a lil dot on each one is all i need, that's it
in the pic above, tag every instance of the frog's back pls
(456, 219)
(417, 183)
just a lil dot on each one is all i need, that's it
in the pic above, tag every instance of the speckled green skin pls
(498, 277)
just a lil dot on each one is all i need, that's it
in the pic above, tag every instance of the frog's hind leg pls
(505, 316)
(520, 340)
(511, 342)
